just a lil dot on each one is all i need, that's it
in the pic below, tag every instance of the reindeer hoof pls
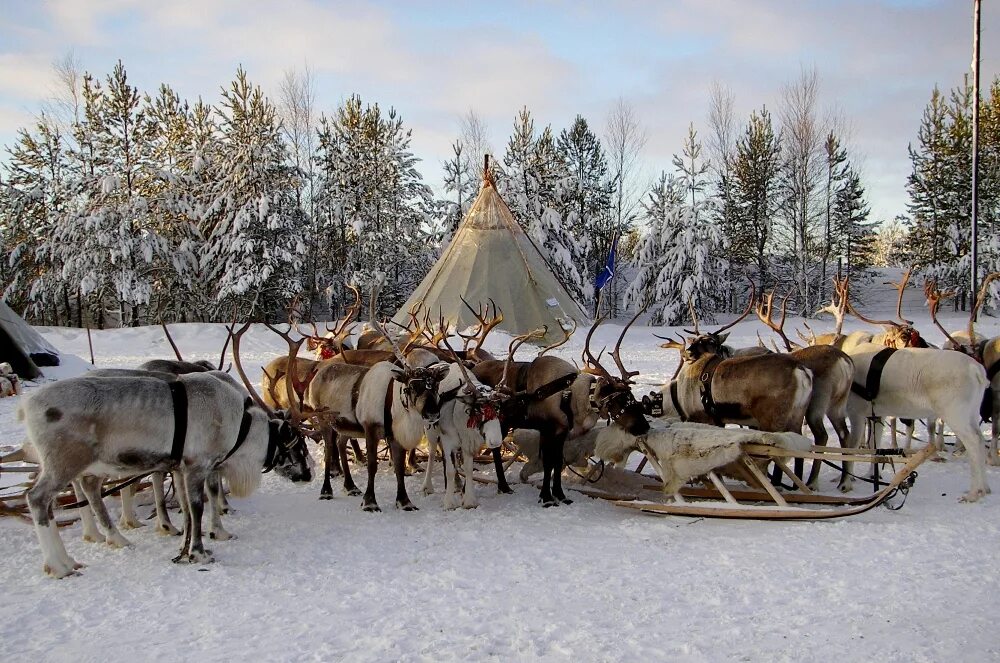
(168, 530)
(505, 490)
(371, 508)
(130, 524)
(565, 500)
(59, 571)
(118, 541)
(470, 505)
(221, 535)
(409, 506)
(972, 496)
(548, 501)
(324, 496)
(352, 491)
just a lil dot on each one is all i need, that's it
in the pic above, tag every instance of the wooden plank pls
(743, 495)
(759, 476)
(721, 487)
(780, 462)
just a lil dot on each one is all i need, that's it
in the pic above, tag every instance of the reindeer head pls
(420, 388)
(287, 452)
(713, 342)
(611, 395)
(482, 404)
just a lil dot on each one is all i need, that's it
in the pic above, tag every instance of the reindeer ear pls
(441, 371)
(723, 337)
(399, 374)
(311, 343)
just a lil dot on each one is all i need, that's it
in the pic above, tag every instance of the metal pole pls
(975, 150)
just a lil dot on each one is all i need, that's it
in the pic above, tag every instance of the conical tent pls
(23, 347)
(491, 257)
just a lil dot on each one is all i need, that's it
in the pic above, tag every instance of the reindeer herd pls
(196, 421)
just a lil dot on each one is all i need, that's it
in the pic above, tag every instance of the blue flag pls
(609, 268)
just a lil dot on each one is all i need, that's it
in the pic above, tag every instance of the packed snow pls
(322, 580)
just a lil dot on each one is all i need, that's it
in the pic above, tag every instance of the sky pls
(877, 62)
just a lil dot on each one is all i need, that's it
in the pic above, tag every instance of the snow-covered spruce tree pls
(36, 192)
(679, 258)
(373, 202)
(586, 196)
(853, 233)
(754, 191)
(461, 184)
(254, 245)
(534, 187)
(178, 136)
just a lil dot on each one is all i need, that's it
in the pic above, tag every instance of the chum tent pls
(491, 257)
(23, 347)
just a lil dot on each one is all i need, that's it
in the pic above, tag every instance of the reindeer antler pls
(980, 300)
(616, 354)
(236, 337)
(901, 286)
(765, 313)
(565, 339)
(485, 325)
(934, 299)
(400, 357)
(170, 339)
(515, 343)
(294, 389)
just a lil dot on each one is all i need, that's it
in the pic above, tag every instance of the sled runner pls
(767, 503)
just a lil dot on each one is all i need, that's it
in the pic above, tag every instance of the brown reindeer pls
(549, 395)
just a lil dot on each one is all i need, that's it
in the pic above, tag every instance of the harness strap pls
(992, 371)
(387, 412)
(179, 396)
(244, 430)
(449, 395)
(706, 392)
(873, 380)
(676, 401)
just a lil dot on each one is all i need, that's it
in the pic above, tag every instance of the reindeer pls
(85, 427)
(549, 395)
(469, 418)
(833, 372)
(770, 391)
(394, 401)
(985, 351)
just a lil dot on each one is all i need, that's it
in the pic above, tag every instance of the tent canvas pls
(491, 257)
(23, 347)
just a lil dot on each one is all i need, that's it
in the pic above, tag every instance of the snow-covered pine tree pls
(680, 257)
(754, 190)
(38, 191)
(534, 185)
(251, 226)
(586, 196)
(374, 202)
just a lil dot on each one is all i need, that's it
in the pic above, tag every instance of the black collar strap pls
(676, 401)
(244, 430)
(272, 447)
(387, 411)
(179, 396)
(449, 395)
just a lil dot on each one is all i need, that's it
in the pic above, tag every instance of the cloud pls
(877, 60)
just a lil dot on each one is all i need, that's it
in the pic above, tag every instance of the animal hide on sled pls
(683, 451)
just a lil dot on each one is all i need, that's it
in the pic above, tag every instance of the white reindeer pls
(469, 418)
(919, 383)
(90, 427)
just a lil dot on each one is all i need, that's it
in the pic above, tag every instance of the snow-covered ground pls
(312, 580)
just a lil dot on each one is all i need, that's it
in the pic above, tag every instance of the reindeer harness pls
(514, 410)
(719, 412)
(178, 395)
(873, 380)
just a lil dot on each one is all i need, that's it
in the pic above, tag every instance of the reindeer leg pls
(193, 480)
(399, 466)
(557, 449)
(359, 456)
(90, 532)
(215, 529)
(451, 477)
(469, 500)
(502, 486)
(180, 489)
(368, 502)
(411, 462)
(820, 437)
(92, 489)
(427, 488)
(992, 458)
(56, 561)
(329, 440)
(548, 462)
(163, 524)
(969, 434)
(128, 519)
(349, 486)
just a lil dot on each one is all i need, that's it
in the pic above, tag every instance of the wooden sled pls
(749, 504)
